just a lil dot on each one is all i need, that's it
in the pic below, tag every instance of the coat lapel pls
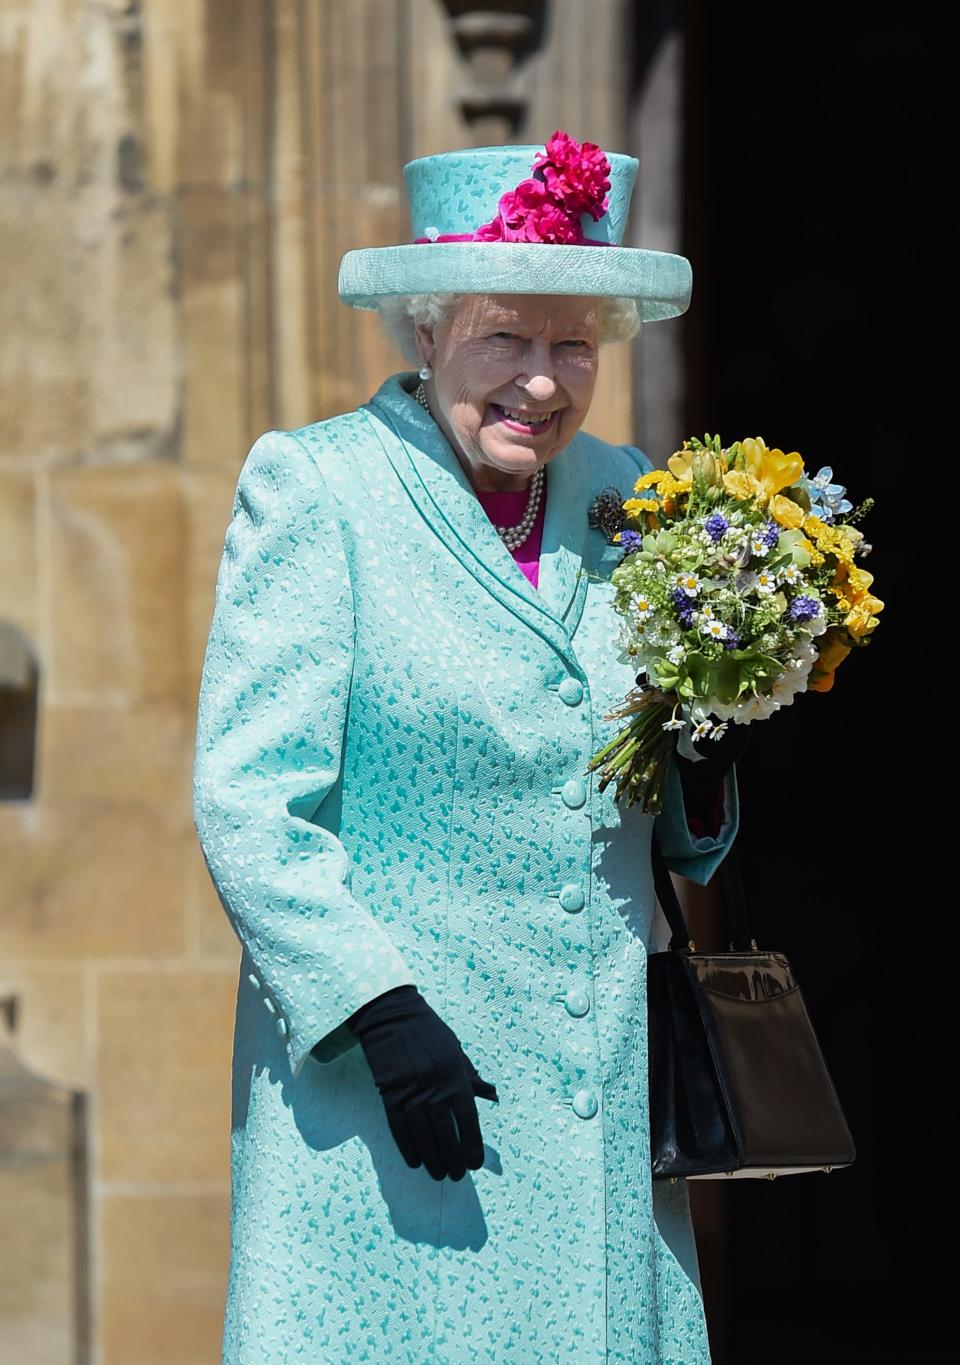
(438, 484)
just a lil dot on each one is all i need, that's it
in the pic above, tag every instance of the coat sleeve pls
(696, 858)
(270, 723)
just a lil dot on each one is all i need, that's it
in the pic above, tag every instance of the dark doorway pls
(808, 132)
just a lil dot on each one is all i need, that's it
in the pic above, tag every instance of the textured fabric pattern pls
(659, 281)
(392, 732)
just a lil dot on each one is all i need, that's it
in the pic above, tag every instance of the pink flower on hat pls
(577, 174)
(531, 214)
(569, 179)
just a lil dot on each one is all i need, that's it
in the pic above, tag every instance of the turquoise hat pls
(520, 220)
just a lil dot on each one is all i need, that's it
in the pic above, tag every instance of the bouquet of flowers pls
(739, 587)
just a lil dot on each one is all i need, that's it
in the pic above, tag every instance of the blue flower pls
(826, 498)
(770, 534)
(630, 540)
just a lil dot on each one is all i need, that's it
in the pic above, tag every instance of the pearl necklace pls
(512, 536)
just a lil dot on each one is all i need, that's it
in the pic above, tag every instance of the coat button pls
(585, 1104)
(577, 1001)
(573, 793)
(571, 897)
(570, 691)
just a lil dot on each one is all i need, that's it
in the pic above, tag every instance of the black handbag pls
(738, 1084)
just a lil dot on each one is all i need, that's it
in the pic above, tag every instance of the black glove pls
(699, 781)
(426, 1082)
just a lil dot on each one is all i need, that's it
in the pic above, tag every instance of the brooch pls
(605, 514)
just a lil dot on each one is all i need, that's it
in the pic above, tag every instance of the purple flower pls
(630, 540)
(804, 608)
(733, 639)
(685, 607)
(770, 534)
(715, 524)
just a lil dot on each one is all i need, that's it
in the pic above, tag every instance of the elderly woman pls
(408, 667)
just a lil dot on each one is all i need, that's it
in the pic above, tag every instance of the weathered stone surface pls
(177, 185)
(43, 1286)
(19, 578)
(53, 1020)
(164, 1274)
(115, 537)
(87, 879)
(163, 1113)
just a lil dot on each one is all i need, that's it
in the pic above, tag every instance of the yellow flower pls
(703, 464)
(772, 469)
(831, 539)
(633, 506)
(815, 556)
(859, 621)
(680, 464)
(842, 603)
(831, 654)
(786, 511)
(651, 480)
(741, 485)
(663, 480)
(858, 582)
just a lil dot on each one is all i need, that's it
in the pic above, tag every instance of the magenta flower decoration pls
(530, 214)
(569, 179)
(577, 174)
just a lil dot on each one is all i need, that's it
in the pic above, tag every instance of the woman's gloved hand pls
(426, 1081)
(700, 781)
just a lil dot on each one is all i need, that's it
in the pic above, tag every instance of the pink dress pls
(507, 509)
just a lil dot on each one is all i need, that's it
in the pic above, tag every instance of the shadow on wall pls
(44, 1224)
(19, 689)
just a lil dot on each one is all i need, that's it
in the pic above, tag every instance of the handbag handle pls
(731, 880)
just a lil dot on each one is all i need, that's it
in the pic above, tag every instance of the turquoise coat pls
(393, 731)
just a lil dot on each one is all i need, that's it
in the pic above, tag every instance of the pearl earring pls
(426, 372)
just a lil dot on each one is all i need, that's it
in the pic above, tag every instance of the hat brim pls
(660, 282)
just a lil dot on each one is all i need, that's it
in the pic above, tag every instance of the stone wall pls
(178, 181)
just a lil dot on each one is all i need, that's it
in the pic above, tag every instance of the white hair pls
(619, 318)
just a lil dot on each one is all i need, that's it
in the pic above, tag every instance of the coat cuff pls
(334, 1044)
(684, 853)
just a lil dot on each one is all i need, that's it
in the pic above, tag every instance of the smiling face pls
(513, 377)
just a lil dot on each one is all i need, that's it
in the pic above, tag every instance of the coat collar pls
(437, 482)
